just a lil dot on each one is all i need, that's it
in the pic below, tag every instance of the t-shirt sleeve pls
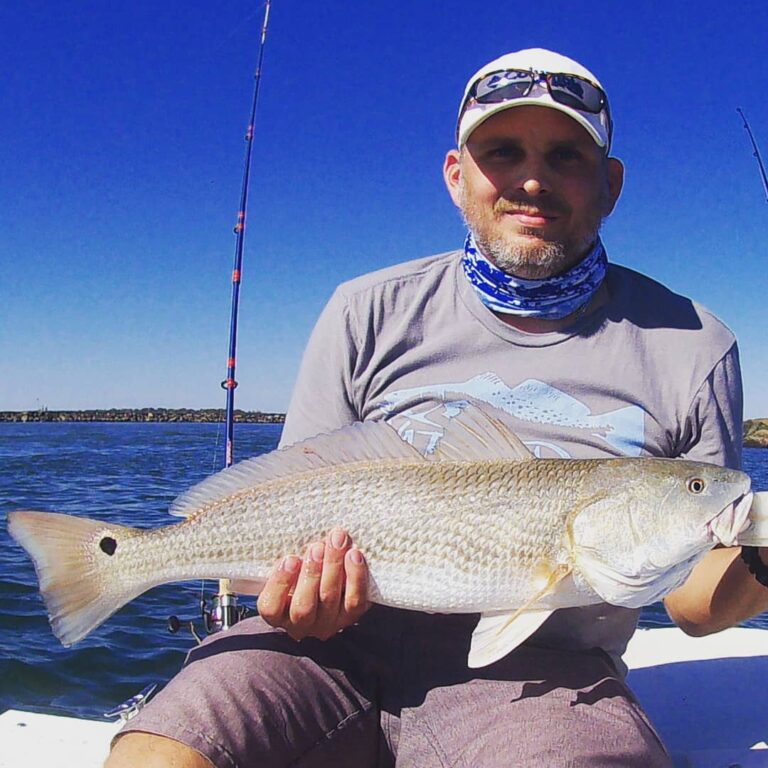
(713, 429)
(321, 400)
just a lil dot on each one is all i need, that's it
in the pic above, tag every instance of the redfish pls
(480, 526)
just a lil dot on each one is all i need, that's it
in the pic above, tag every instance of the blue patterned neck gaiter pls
(551, 298)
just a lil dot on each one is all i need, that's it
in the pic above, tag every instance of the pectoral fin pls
(498, 634)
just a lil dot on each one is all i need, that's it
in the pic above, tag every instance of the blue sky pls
(122, 125)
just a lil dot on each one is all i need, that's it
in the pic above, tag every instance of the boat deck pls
(707, 696)
(32, 740)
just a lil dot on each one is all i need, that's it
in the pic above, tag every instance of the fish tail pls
(79, 585)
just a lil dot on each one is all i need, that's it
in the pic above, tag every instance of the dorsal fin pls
(364, 441)
(477, 434)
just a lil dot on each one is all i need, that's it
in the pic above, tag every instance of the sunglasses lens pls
(502, 86)
(576, 93)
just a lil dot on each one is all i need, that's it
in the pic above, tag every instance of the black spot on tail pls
(108, 545)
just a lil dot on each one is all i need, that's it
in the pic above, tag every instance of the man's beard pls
(531, 260)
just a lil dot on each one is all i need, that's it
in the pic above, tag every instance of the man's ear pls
(452, 175)
(615, 171)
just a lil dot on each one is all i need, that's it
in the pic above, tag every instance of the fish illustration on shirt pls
(533, 401)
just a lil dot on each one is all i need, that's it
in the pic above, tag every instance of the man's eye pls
(565, 154)
(504, 153)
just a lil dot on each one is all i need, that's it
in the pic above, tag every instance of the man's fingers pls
(331, 585)
(303, 607)
(319, 595)
(332, 580)
(356, 591)
(276, 594)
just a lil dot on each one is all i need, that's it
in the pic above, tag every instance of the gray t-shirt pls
(650, 373)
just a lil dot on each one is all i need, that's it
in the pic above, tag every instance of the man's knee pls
(150, 751)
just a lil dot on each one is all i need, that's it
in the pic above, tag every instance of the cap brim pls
(479, 113)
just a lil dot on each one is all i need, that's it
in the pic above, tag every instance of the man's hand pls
(320, 595)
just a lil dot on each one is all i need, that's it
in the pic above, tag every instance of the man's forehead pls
(521, 123)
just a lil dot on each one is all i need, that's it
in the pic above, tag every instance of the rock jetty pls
(203, 415)
(755, 430)
(756, 433)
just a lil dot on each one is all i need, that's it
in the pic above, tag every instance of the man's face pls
(534, 188)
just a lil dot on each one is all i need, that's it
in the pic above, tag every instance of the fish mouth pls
(726, 526)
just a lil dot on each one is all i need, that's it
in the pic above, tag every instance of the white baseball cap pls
(536, 77)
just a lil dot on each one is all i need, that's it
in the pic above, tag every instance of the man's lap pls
(396, 687)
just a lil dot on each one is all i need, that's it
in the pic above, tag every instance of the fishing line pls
(238, 27)
(214, 458)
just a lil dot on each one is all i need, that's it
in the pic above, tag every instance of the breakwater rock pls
(199, 415)
(755, 430)
(756, 433)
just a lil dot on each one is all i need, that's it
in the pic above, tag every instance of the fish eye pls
(696, 485)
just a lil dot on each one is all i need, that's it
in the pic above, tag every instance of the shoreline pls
(756, 433)
(142, 415)
(755, 430)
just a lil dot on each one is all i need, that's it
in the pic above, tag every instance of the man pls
(587, 359)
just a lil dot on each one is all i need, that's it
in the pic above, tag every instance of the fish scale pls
(398, 514)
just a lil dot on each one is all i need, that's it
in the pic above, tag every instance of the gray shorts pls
(395, 690)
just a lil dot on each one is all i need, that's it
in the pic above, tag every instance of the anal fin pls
(247, 586)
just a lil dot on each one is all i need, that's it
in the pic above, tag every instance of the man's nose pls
(533, 186)
(533, 177)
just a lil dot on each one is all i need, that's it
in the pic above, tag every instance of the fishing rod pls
(755, 152)
(223, 611)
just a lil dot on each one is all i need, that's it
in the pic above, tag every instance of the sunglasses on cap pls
(569, 90)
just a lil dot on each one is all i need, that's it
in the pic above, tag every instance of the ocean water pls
(124, 473)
